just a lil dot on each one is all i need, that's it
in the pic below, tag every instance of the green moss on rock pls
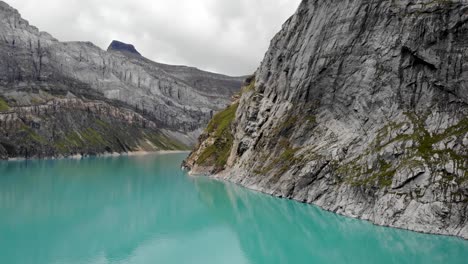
(31, 136)
(381, 176)
(286, 126)
(219, 129)
(222, 120)
(102, 123)
(86, 139)
(164, 142)
(249, 88)
(423, 153)
(287, 159)
(4, 106)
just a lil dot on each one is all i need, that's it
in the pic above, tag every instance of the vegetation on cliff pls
(3, 105)
(219, 129)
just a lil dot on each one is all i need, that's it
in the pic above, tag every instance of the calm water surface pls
(146, 210)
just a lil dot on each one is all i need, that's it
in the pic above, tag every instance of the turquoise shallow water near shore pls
(144, 209)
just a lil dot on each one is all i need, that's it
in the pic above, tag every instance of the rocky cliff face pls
(359, 107)
(39, 72)
(59, 127)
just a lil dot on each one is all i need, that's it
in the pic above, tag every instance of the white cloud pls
(223, 36)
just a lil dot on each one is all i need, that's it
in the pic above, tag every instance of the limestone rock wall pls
(361, 107)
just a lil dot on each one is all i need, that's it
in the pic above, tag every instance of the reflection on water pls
(145, 210)
(281, 231)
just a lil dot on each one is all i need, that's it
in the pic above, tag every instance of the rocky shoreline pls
(64, 127)
(104, 155)
(224, 177)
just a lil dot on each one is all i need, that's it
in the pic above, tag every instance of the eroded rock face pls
(179, 100)
(360, 107)
(61, 127)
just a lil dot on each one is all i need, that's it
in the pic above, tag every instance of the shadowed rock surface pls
(127, 101)
(359, 107)
(120, 46)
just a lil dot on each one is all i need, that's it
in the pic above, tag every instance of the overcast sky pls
(226, 36)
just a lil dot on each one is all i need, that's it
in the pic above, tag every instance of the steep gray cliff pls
(359, 107)
(37, 71)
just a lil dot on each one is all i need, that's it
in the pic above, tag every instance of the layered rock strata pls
(38, 72)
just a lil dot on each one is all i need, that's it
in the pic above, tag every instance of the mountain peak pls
(120, 46)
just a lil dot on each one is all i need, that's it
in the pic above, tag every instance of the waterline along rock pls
(359, 107)
(65, 98)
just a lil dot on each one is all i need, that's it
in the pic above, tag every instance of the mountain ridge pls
(37, 70)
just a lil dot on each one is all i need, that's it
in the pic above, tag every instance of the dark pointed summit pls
(120, 46)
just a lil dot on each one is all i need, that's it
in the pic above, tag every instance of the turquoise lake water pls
(146, 210)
